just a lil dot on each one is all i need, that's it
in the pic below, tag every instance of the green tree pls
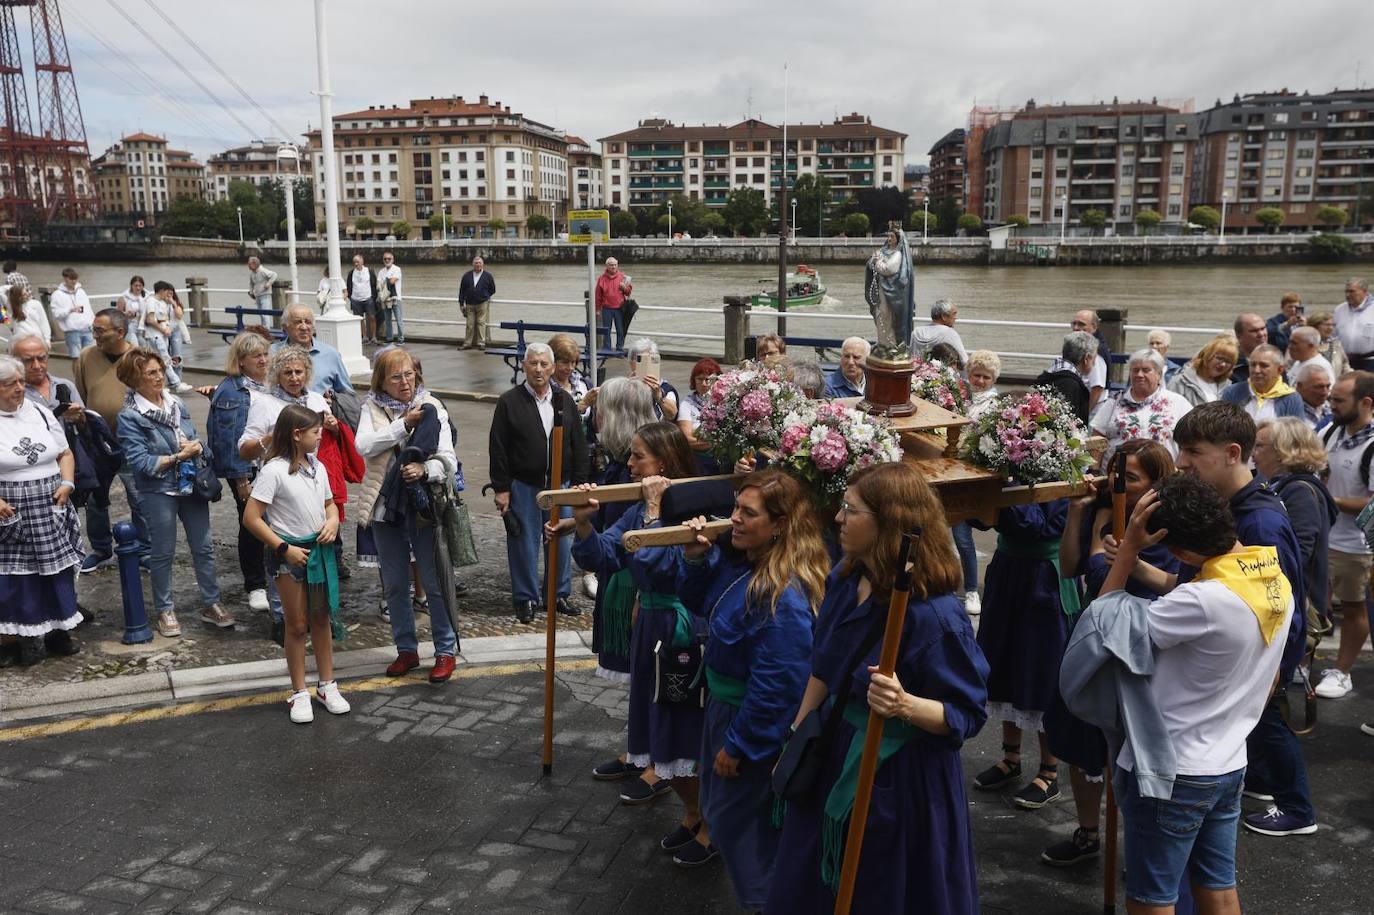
(1093, 218)
(1209, 218)
(918, 221)
(713, 223)
(538, 224)
(745, 212)
(191, 218)
(1019, 220)
(687, 215)
(364, 225)
(856, 225)
(440, 222)
(497, 225)
(623, 224)
(946, 212)
(1270, 217)
(1147, 219)
(1333, 216)
(1331, 246)
(882, 206)
(401, 229)
(813, 197)
(970, 224)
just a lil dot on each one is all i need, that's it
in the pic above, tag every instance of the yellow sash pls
(1280, 389)
(1252, 573)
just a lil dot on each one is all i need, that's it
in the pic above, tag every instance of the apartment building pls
(141, 175)
(584, 176)
(643, 167)
(1050, 164)
(255, 163)
(1296, 152)
(947, 161)
(489, 168)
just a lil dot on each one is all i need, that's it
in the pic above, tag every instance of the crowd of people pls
(1246, 470)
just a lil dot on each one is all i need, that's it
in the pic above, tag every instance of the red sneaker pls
(405, 660)
(443, 668)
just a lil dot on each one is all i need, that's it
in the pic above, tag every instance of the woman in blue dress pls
(664, 739)
(1027, 606)
(760, 594)
(918, 844)
(1081, 745)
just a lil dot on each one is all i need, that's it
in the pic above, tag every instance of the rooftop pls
(849, 125)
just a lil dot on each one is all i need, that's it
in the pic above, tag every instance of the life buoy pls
(139, 224)
(802, 268)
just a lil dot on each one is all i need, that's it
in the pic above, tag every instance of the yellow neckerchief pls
(1279, 389)
(1252, 573)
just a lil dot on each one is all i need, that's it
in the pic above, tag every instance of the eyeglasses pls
(28, 359)
(846, 510)
(403, 377)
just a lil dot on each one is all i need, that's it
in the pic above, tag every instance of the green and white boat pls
(804, 287)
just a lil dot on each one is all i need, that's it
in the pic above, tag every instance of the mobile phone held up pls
(647, 365)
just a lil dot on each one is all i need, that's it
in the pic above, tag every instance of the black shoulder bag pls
(803, 756)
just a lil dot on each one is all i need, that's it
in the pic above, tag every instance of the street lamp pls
(240, 212)
(925, 224)
(443, 220)
(793, 227)
(670, 222)
(289, 168)
(1221, 239)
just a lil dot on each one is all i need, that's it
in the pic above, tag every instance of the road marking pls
(158, 713)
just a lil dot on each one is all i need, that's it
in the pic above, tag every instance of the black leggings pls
(250, 550)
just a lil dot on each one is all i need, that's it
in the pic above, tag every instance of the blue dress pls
(1023, 629)
(668, 736)
(764, 653)
(610, 626)
(918, 845)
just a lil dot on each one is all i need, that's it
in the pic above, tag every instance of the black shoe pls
(9, 657)
(638, 792)
(60, 643)
(1084, 846)
(279, 632)
(460, 587)
(694, 854)
(524, 611)
(86, 616)
(995, 776)
(615, 770)
(565, 607)
(30, 651)
(1033, 797)
(679, 838)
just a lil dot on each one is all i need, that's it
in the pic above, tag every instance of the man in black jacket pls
(1065, 375)
(474, 298)
(521, 430)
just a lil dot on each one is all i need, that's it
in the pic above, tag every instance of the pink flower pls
(755, 405)
(793, 437)
(830, 455)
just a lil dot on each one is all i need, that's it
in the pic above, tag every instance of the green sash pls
(839, 804)
(1045, 549)
(321, 581)
(617, 609)
(656, 600)
(725, 689)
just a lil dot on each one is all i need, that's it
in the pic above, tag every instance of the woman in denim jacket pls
(157, 435)
(245, 371)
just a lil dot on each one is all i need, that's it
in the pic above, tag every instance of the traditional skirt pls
(40, 549)
(668, 737)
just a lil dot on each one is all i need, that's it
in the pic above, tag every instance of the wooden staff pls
(551, 585)
(673, 535)
(615, 492)
(1109, 866)
(868, 764)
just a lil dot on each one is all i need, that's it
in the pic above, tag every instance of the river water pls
(1185, 295)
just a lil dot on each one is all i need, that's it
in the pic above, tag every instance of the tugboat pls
(804, 287)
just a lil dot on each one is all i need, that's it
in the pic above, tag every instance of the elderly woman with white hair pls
(1145, 410)
(40, 536)
(644, 352)
(1160, 341)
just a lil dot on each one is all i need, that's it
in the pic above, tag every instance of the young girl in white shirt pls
(133, 303)
(292, 511)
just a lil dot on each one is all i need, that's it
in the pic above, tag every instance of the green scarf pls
(617, 610)
(321, 581)
(839, 804)
(655, 600)
(1046, 549)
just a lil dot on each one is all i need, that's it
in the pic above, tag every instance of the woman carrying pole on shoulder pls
(760, 595)
(918, 851)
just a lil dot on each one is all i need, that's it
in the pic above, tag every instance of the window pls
(758, 162)
(1275, 153)
(1302, 189)
(464, 209)
(1306, 153)
(1297, 208)
(615, 197)
(1176, 168)
(1061, 152)
(693, 163)
(395, 211)
(481, 174)
(887, 160)
(1124, 210)
(1175, 189)
(615, 179)
(1127, 171)
(1175, 209)
(1273, 173)
(1036, 192)
(1037, 174)
(510, 174)
(1231, 173)
(741, 163)
(480, 155)
(376, 158)
(758, 178)
(1280, 117)
(1060, 174)
(510, 191)
(510, 154)
(887, 177)
(1180, 130)
(1038, 154)
(1304, 171)
(510, 210)
(1035, 215)
(391, 159)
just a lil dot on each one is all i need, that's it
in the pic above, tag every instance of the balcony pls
(674, 152)
(717, 150)
(657, 184)
(717, 182)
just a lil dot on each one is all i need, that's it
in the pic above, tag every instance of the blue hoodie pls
(1311, 512)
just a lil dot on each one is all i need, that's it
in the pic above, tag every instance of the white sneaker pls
(257, 600)
(328, 694)
(1334, 685)
(301, 712)
(183, 388)
(589, 584)
(973, 603)
(1367, 728)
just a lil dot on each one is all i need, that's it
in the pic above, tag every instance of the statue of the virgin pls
(890, 289)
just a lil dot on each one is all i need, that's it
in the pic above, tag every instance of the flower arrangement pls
(942, 385)
(823, 444)
(743, 412)
(1030, 438)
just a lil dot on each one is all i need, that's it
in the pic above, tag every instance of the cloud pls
(913, 67)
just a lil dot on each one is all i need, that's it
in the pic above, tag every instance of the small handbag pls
(803, 756)
(679, 675)
(207, 486)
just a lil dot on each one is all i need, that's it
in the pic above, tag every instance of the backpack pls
(1365, 458)
(1070, 386)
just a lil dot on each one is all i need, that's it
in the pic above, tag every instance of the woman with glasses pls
(918, 844)
(759, 592)
(1209, 372)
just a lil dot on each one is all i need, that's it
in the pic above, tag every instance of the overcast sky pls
(913, 67)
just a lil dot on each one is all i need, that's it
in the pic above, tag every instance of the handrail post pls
(198, 300)
(280, 299)
(45, 296)
(1112, 323)
(736, 327)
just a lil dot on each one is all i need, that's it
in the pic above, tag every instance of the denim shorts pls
(1194, 831)
(363, 309)
(278, 567)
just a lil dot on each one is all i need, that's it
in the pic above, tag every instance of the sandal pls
(1003, 772)
(1033, 797)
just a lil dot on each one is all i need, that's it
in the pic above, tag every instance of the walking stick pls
(551, 583)
(1109, 872)
(868, 764)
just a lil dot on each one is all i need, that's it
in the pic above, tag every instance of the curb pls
(58, 699)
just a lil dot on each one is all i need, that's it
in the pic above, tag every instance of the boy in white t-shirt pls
(1218, 640)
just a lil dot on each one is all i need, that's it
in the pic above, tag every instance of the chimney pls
(481, 100)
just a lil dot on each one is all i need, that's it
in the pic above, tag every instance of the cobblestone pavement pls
(430, 799)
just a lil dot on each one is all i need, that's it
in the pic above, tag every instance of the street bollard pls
(136, 628)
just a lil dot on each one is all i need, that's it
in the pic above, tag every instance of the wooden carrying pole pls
(868, 764)
(673, 535)
(1109, 864)
(551, 582)
(616, 492)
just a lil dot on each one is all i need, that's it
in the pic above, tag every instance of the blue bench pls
(513, 356)
(238, 311)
